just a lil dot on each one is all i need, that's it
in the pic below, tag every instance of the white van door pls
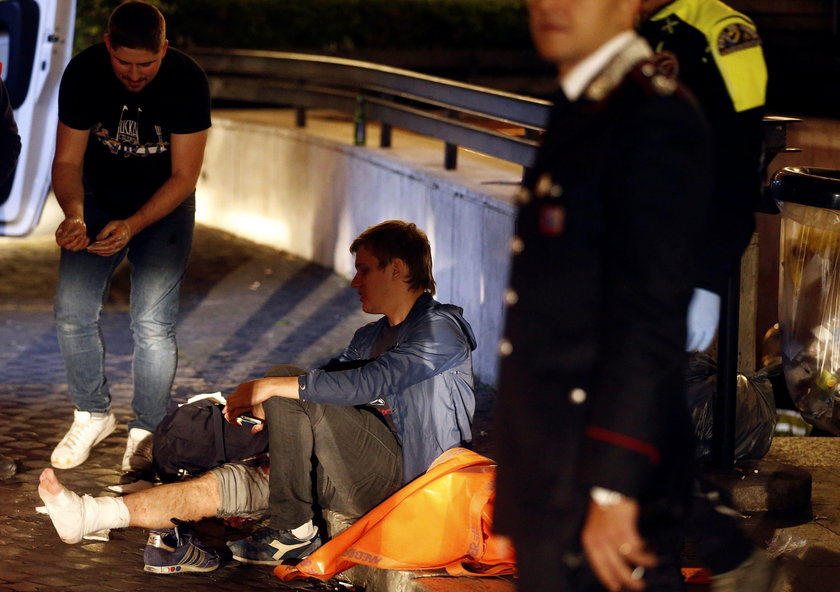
(36, 41)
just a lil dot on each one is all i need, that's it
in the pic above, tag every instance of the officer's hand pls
(703, 316)
(616, 552)
(112, 239)
(71, 234)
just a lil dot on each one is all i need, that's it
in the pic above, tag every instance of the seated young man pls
(398, 396)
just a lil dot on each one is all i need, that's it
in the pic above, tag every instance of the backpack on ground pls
(195, 438)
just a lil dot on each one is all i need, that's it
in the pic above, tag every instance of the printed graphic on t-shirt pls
(127, 140)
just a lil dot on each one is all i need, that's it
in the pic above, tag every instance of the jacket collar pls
(575, 81)
(637, 50)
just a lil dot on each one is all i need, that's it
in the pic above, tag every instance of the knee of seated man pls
(242, 490)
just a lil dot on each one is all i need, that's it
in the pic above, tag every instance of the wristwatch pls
(605, 497)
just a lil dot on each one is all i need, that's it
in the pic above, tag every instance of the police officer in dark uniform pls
(716, 52)
(595, 450)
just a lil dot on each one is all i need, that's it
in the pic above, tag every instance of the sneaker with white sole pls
(88, 430)
(138, 451)
(268, 546)
(176, 550)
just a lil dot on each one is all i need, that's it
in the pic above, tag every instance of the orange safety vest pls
(440, 520)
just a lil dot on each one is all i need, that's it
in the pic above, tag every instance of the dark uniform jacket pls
(591, 389)
(716, 52)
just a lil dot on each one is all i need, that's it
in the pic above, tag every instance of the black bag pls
(195, 438)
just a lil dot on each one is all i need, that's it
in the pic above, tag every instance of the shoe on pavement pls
(176, 550)
(268, 546)
(138, 451)
(758, 573)
(88, 430)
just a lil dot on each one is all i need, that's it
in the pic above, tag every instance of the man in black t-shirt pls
(133, 122)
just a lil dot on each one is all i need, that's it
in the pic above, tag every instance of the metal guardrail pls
(459, 114)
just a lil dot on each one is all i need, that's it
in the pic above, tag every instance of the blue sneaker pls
(171, 550)
(268, 546)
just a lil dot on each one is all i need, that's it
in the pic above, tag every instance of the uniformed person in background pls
(594, 437)
(716, 52)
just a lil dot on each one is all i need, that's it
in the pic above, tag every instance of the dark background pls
(484, 42)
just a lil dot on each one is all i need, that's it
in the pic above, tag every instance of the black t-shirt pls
(128, 154)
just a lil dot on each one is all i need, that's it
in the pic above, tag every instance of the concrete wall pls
(311, 195)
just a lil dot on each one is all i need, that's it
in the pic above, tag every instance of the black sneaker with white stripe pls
(268, 546)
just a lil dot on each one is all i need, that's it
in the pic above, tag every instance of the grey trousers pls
(343, 458)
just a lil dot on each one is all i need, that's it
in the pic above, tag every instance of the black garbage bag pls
(755, 409)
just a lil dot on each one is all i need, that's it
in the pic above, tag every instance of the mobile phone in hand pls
(248, 420)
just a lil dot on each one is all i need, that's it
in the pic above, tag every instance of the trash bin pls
(809, 290)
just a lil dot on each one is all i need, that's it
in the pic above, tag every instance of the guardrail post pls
(360, 122)
(450, 157)
(534, 135)
(385, 135)
(300, 116)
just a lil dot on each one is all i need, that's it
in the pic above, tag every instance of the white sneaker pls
(87, 431)
(138, 451)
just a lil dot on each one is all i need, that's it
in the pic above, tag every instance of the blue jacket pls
(426, 379)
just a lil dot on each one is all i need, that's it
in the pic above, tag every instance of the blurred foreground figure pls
(595, 440)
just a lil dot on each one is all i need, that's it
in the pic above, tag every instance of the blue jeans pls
(158, 257)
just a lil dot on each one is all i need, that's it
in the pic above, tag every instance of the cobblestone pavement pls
(244, 308)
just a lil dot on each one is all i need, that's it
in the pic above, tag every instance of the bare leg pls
(74, 516)
(189, 500)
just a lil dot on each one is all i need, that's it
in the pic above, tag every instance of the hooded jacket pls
(426, 380)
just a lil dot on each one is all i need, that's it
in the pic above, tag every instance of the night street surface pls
(244, 308)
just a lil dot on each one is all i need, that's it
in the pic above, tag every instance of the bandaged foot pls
(75, 516)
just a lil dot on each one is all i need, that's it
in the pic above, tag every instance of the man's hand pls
(71, 234)
(613, 546)
(112, 239)
(248, 397)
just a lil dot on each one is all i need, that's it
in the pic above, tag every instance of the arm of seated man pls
(249, 396)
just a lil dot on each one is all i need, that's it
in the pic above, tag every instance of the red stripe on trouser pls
(625, 441)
